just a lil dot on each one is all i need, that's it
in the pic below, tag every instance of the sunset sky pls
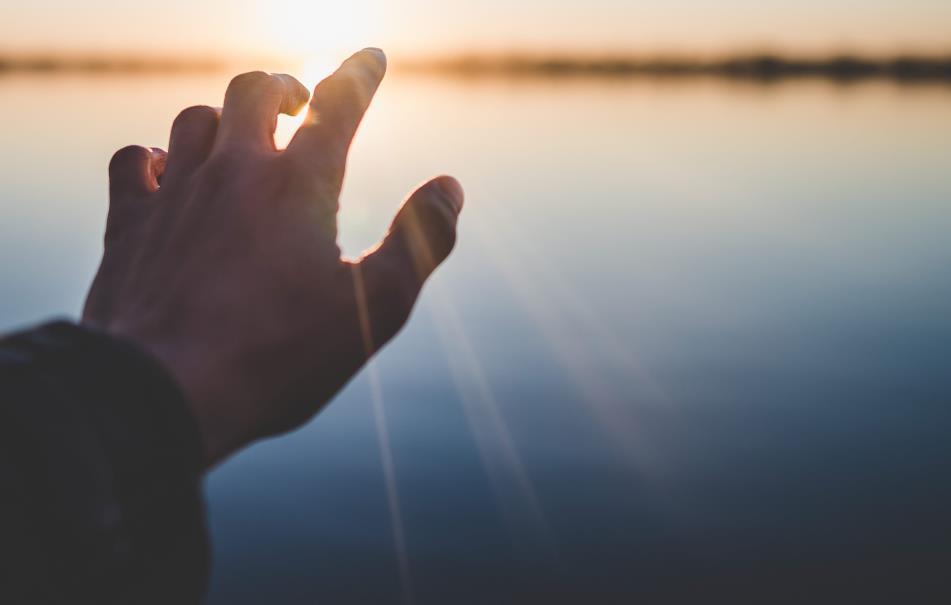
(183, 27)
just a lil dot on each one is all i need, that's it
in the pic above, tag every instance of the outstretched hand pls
(221, 256)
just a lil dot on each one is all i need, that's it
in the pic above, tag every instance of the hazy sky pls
(413, 26)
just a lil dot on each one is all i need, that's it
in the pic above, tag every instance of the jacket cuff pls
(111, 459)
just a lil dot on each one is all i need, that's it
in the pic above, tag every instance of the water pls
(695, 336)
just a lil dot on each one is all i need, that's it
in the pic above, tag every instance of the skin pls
(221, 258)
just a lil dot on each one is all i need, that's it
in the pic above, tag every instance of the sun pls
(307, 29)
(314, 37)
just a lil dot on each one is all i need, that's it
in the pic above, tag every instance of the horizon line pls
(742, 65)
(764, 66)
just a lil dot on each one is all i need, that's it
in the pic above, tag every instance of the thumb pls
(424, 231)
(421, 236)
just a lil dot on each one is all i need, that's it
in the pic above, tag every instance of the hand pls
(221, 257)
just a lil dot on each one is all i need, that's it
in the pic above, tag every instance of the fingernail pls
(451, 191)
(379, 57)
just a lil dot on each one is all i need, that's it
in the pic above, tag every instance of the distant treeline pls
(760, 67)
(754, 67)
(105, 64)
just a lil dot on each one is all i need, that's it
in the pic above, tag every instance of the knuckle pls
(349, 86)
(290, 85)
(251, 80)
(197, 114)
(129, 155)
(360, 84)
(371, 65)
(351, 78)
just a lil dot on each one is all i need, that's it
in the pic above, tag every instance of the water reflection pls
(694, 336)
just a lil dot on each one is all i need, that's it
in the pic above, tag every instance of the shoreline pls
(751, 67)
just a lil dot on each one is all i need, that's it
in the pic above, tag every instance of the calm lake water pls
(695, 337)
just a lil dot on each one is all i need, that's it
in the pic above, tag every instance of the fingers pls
(421, 237)
(193, 135)
(134, 172)
(336, 110)
(253, 101)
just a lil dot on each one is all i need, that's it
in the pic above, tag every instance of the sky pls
(417, 27)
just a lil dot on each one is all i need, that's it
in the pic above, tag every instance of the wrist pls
(206, 396)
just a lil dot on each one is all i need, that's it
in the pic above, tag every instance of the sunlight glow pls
(315, 69)
(307, 28)
(217, 28)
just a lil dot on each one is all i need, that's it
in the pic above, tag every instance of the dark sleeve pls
(100, 463)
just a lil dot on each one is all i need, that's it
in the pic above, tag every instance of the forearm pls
(102, 466)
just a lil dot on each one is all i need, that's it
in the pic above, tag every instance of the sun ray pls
(389, 478)
(568, 298)
(383, 437)
(493, 439)
(614, 410)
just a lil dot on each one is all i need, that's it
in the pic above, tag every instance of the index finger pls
(337, 107)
